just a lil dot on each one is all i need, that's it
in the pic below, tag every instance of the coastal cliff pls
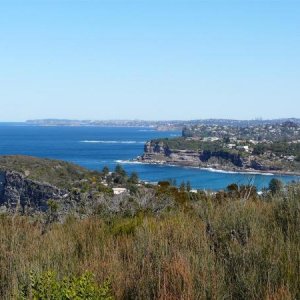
(159, 152)
(52, 188)
(30, 185)
(23, 194)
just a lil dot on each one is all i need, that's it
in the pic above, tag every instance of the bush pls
(48, 286)
(275, 186)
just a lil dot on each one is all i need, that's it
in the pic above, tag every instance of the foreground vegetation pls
(234, 245)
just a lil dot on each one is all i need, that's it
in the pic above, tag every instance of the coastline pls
(218, 169)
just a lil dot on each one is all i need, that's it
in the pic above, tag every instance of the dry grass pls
(229, 250)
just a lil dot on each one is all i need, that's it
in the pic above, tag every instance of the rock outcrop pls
(24, 195)
(158, 153)
(66, 189)
(235, 159)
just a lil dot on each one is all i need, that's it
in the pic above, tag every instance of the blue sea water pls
(96, 147)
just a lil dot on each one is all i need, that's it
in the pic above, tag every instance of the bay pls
(95, 147)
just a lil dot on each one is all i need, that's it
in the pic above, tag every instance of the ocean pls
(96, 147)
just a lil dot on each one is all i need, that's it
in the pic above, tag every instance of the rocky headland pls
(160, 152)
(57, 189)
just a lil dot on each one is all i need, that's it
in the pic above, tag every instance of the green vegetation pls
(157, 242)
(59, 173)
(181, 143)
(275, 186)
(105, 170)
(232, 245)
(278, 148)
(134, 178)
(47, 286)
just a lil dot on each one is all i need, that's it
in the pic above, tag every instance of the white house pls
(118, 191)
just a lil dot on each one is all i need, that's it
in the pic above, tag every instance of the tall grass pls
(215, 250)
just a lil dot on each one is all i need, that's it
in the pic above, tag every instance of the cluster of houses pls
(288, 131)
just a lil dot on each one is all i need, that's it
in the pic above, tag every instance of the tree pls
(275, 186)
(134, 178)
(105, 170)
(120, 171)
(188, 186)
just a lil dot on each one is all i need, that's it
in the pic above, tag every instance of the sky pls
(149, 59)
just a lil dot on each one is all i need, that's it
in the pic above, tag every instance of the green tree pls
(275, 186)
(105, 170)
(134, 178)
(120, 170)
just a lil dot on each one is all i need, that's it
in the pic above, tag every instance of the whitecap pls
(125, 161)
(147, 130)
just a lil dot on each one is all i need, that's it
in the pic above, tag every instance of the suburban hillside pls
(264, 148)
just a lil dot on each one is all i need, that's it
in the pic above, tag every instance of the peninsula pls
(161, 125)
(262, 147)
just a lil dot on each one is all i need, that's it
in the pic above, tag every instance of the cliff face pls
(235, 159)
(72, 190)
(23, 194)
(157, 152)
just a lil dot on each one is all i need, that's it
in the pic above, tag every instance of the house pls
(118, 191)
(231, 146)
(243, 148)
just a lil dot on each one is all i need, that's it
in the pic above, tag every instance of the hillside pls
(152, 242)
(222, 149)
(234, 245)
(59, 173)
(34, 186)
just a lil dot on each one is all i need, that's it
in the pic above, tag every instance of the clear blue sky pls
(155, 59)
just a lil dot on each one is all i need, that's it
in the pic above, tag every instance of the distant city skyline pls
(149, 60)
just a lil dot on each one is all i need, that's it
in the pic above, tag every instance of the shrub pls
(275, 186)
(48, 286)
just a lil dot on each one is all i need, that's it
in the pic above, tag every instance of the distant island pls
(264, 146)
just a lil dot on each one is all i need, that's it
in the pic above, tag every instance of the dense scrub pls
(59, 173)
(231, 246)
(180, 143)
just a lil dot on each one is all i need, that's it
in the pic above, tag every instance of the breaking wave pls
(237, 172)
(121, 161)
(188, 167)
